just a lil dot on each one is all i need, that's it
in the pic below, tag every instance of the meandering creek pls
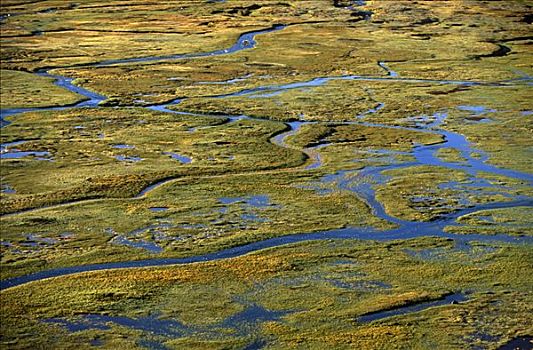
(475, 161)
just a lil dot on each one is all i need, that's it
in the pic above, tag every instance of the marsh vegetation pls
(266, 174)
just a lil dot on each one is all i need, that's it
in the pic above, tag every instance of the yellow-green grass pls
(25, 90)
(522, 187)
(419, 193)
(350, 156)
(337, 100)
(350, 147)
(117, 30)
(81, 143)
(505, 129)
(505, 137)
(309, 51)
(508, 221)
(196, 222)
(445, 49)
(324, 103)
(193, 199)
(450, 154)
(426, 39)
(324, 286)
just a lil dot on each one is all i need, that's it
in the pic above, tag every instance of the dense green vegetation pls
(382, 93)
(321, 289)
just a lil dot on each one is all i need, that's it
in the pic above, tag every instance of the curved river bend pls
(424, 155)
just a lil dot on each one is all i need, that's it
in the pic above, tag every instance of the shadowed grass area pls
(322, 286)
(25, 90)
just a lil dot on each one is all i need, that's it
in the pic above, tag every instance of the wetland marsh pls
(266, 175)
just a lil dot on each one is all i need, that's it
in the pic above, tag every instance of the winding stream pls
(406, 231)
(91, 99)
(244, 42)
(424, 155)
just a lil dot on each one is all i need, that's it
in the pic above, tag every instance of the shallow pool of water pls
(181, 158)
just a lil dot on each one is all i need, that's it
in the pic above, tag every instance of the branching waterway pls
(475, 161)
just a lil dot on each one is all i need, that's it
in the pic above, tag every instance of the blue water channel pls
(475, 162)
(425, 155)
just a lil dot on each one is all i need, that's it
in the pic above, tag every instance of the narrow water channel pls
(424, 155)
